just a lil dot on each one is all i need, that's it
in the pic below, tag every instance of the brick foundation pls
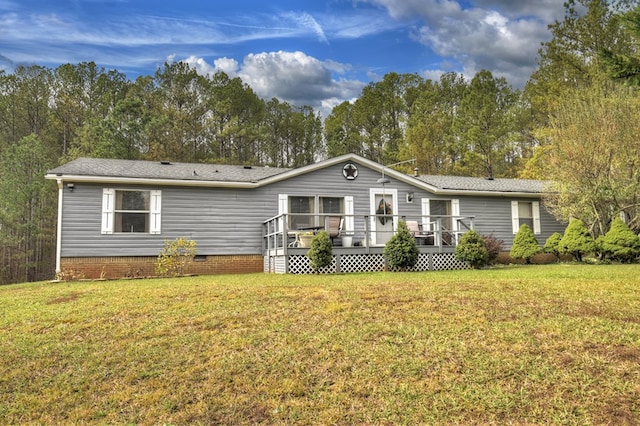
(121, 267)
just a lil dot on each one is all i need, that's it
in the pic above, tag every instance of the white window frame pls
(109, 210)
(347, 200)
(535, 212)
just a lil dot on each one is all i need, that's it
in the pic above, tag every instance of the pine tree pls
(620, 243)
(525, 245)
(552, 244)
(472, 249)
(401, 250)
(321, 252)
(577, 241)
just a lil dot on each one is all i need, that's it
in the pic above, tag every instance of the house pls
(115, 215)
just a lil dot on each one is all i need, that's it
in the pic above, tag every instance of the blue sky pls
(313, 52)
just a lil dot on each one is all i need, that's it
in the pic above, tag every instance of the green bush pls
(401, 250)
(552, 244)
(472, 250)
(577, 241)
(525, 245)
(175, 257)
(620, 243)
(320, 253)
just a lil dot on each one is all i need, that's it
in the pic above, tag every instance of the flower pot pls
(347, 241)
(305, 240)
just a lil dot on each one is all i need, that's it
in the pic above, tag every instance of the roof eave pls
(152, 181)
(503, 194)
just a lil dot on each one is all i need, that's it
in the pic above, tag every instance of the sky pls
(305, 52)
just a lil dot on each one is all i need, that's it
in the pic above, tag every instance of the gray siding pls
(229, 221)
(493, 216)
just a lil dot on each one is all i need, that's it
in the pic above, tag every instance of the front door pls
(384, 214)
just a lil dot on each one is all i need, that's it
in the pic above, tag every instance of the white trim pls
(393, 192)
(108, 210)
(155, 199)
(283, 208)
(59, 230)
(455, 212)
(349, 223)
(515, 219)
(535, 209)
(426, 215)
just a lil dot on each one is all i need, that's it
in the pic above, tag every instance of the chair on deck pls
(334, 226)
(416, 231)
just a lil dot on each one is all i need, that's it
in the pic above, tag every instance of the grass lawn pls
(553, 344)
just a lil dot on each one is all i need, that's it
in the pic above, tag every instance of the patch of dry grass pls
(520, 345)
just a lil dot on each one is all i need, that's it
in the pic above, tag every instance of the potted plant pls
(305, 239)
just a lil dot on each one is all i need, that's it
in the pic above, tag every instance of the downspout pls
(59, 228)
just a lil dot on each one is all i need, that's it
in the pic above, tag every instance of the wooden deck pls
(283, 254)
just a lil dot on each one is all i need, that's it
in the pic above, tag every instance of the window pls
(130, 211)
(301, 211)
(304, 211)
(331, 205)
(525, 212)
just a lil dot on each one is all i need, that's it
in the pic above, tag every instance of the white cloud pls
(294, 77)
(307, 21)
(500, 35)
(227, 65)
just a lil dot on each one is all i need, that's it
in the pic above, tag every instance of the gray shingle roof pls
(158, 170)
(461, 183)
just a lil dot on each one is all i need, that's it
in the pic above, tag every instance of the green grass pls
(553, 344)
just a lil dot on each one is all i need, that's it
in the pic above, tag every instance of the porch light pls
(70, 187)
(410, 196)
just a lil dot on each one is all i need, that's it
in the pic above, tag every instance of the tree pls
(552, 245)
(431, 137)
(620, 243)
(525, 245)
(401, 251)
(340, 131)
(621, 66)
(27, 212)
(381, 113)
(594, 158)
(576, 240)
(570, 60)
(484, 125)
(472, 250)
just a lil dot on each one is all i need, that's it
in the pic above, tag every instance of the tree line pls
(573, 123)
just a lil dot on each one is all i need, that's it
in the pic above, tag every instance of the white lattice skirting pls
(299, 264)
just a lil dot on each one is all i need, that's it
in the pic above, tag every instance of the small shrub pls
(472, 250)
(620, 243)
(577, 241)
(552, 244)
(525, 245)
(175, 257)
(401, 251)
(321, 252)
(493, 246)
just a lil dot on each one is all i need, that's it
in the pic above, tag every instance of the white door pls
(384, 210)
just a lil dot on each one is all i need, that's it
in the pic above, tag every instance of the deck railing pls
(359, 229)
